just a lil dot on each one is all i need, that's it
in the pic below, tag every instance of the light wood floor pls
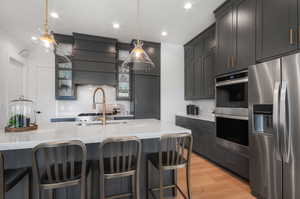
(211, 182)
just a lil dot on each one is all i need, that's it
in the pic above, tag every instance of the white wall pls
(172, 85)
(172, 81)
(12, 72)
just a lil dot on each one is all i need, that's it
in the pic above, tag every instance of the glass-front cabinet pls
(65, 88)
(124, 78)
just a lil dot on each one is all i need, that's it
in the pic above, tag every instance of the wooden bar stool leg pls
(102, 193)
(133, 187)
(137, 185)
(148, 179)
(51, 194)
(175, 183)
(88, 186)
(29, 185)
(82, 189)
(188, 182)
(161, 184)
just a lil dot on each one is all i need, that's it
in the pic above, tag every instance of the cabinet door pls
(245, 34)
(225, 40)
(209, 75)
(146, 96)
(198, 69)
(276, 26)
(189, 73)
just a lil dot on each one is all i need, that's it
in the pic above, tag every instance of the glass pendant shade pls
(48, 41)
(138, 59)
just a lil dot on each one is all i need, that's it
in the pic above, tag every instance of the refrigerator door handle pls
(276, 120)
(284, 119)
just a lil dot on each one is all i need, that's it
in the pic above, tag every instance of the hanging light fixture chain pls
(46, 17)
(138, 19)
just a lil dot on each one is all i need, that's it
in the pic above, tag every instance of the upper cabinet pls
(276, 28)
(235, 31)
(94, 60)
(199, 59)
(64, 83)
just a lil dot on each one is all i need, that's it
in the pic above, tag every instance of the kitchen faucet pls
(103, 118)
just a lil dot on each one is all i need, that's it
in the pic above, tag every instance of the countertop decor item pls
(21, 116)
(138, 59)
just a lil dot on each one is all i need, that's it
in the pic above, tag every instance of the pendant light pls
(138, 59)
(47, 37)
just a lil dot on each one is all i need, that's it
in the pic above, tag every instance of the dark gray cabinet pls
(203, 132)
(245, 34)
(94, 60)
(235, 27)
(146, 91)
(204, 144)
(146, 86)
(199, 66)
(189, 72)
(225, 38)
(276, 28)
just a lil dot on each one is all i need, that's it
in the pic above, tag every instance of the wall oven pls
(231, 112)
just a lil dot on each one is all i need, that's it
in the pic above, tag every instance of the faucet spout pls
(103, 118)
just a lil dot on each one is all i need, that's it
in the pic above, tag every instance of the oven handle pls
(232, 82)
(236, 117)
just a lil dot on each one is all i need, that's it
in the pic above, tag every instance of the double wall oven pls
(232, 112)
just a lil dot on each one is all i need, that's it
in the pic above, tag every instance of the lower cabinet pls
(204, 144)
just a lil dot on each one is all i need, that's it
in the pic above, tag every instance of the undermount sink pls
(100, 123)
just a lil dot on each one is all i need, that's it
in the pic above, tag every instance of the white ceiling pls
(23, 18)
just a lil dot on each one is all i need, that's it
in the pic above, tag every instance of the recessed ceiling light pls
(34, 38)
(116, 25)
(54, 15)
(164, 33)
(188, 5)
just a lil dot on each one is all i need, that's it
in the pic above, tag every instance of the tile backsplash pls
(84, 101)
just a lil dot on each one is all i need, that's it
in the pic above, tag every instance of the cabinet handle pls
(232, 61)
(299, 34)
(291, 36)
(228, 61)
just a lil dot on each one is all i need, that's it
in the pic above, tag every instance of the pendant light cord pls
(46, 17)
(138, 19)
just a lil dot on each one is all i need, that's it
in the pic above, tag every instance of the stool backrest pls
(175, 148)
(59, 161)
(122, 154)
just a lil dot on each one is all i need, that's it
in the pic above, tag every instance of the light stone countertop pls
(203, 116)
(50, 132)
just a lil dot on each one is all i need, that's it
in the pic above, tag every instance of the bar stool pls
(175, 153)
(11, 177)
(60, 165)
(120, 157)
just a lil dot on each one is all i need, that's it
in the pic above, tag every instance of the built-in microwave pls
(232, 90)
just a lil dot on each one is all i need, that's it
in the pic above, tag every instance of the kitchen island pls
(17, 148)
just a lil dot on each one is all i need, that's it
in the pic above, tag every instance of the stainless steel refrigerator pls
(274, 122)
